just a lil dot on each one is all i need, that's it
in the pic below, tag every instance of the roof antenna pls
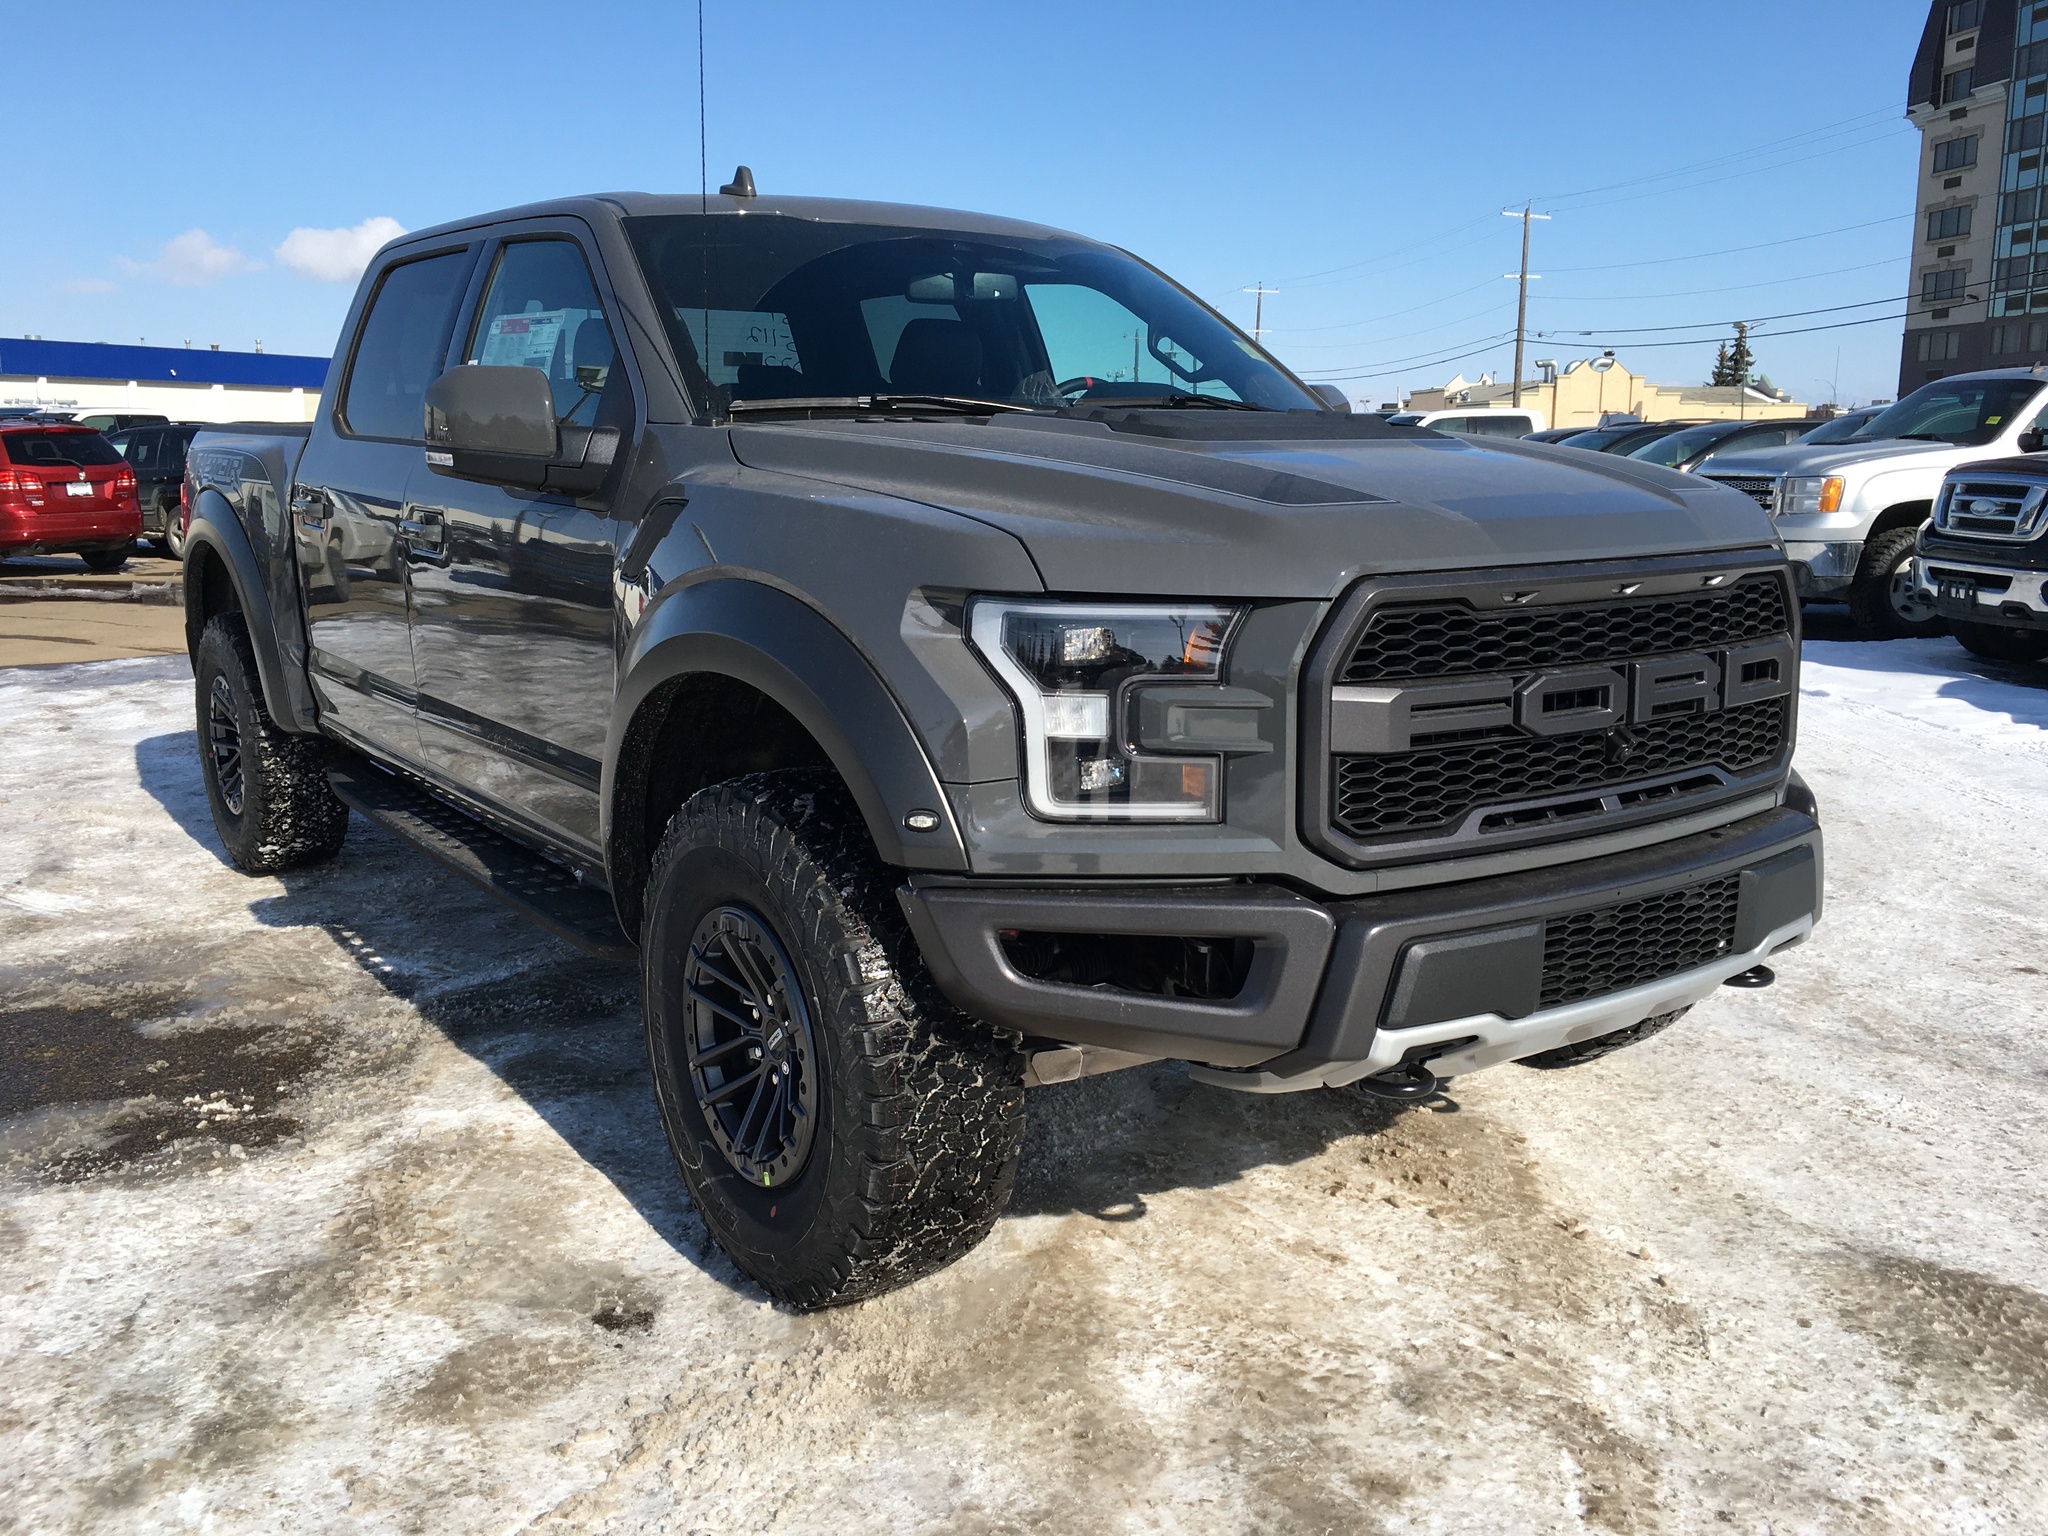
(741, 185)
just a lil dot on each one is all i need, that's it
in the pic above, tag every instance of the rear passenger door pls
(349, 497)
(512, 589)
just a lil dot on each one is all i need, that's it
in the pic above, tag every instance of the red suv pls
(64, 489)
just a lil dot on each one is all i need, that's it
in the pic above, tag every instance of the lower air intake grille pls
(1590, 954)
(1380, 795)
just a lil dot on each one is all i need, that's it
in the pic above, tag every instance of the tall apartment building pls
(1979, 96)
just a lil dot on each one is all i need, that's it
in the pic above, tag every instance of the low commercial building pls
(1581, 393)
(183, 383)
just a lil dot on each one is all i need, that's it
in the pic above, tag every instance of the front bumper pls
(1819, 569)
(1983, 594)
(1342, 990)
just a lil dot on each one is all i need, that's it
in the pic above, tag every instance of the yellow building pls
(1584, 391)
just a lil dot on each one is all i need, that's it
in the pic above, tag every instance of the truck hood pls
(1115, 511)
(1833, 458)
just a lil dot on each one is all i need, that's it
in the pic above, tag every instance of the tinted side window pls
(542, 311)
(170, 454)
(403, 343)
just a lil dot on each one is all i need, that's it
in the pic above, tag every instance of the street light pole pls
(1521, 290)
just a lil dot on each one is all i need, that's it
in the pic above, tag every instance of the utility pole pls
(1521, 289)
(1259, 312)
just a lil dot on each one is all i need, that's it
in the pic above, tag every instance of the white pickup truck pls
(1848, 512)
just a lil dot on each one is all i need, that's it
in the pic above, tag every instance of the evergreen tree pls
(1732, 364)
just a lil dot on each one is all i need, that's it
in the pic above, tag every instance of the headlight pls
(1813, 493)
(1073, 669)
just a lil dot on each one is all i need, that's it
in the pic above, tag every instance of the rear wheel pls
(174, 530)
(1884, 600)
(268, 789)
(1994, 642)
(843, 1130)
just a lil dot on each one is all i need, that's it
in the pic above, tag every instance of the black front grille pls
(1761, 489)
(1454, 640)
(1436, 787)
(1590, 954)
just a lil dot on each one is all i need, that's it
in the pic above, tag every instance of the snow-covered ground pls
(337, 1202)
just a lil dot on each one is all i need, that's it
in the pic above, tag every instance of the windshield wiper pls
(965, 405)
(1179, 399)
(1921, 437)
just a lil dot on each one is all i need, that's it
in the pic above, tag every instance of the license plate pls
(78, 488)
(1958, 591)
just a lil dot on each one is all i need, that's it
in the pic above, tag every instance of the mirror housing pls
(497, 426)
(1332, 397)
(2031, 440)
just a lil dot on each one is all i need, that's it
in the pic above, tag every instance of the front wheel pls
(1995, 642)
(1884, 600)
(843, 1130)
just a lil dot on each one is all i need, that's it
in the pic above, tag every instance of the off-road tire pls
(920, 1109)
(103, 562)
(1872, 602)
(281, 813)
(1995, 642)
(1583, 1051)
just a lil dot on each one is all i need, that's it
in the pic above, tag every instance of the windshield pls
(768, 307)
(1842, 428)
(59, 447)
(1677, 447)
(1966, 412)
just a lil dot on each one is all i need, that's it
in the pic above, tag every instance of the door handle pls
(311, 507)
(424, 533)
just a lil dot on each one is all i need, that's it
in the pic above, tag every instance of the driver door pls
(512, 624)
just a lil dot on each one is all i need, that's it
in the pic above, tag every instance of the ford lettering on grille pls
(1400, 719)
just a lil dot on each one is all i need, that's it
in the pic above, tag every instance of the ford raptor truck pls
(946, 657)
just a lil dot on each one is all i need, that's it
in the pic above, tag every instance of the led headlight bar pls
(1072, 668)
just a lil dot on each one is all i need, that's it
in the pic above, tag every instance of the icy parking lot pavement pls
(337, 1203)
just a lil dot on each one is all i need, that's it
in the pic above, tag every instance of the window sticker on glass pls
(741, 338)
(524, 341)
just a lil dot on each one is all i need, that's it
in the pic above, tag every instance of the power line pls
(1738, 250)
(1710, 181)
(1868, 118)
(1795, 314)
(1694, 293)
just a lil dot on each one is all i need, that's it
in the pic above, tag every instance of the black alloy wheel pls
(224, 742)
(753, 1059)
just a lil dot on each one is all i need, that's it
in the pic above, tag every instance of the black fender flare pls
(214, 532)
(764, 637)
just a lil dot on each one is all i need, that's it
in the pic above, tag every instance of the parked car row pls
(135, 464)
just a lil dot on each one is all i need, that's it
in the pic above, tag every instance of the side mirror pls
(497, 426)
(2031, 440)
(1333, 397)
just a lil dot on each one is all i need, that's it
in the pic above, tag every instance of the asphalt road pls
(337, 1202)
(53, 611)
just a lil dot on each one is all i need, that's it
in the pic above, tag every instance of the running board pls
(533, 886)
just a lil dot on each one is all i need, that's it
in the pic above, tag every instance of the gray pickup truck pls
(946, 657)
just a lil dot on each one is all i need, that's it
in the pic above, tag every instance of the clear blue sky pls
(1355, 157)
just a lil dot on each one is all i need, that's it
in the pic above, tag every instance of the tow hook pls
(1755, 976)
(1408, 1081)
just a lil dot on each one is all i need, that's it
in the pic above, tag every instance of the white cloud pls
(337, 255)
(191, 260)
(88, 285)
